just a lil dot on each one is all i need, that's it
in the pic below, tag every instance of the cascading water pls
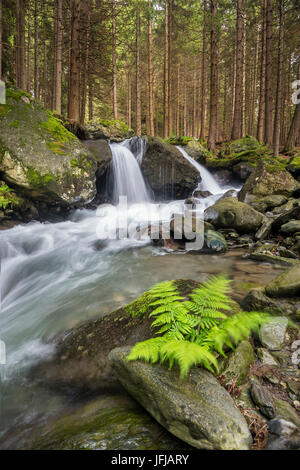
(127, 176)
(208, 182)
(138, 146)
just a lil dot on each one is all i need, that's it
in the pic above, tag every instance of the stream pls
(55, 275)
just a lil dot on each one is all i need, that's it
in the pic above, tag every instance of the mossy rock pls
(230, 213)
(235, 368)
(268, 179)
(109, 129)
(38, 154)
(114, 423)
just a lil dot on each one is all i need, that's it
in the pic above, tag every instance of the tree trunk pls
(129, 100)
(261, 109)
(269, 75)
(170, 77)
(29, 47)
(74, 85)
(20, 46)
(150, 70)
(213, 80)
(204, 72)
(138, 76)
(166, 72)
(87, 14)
(236, 127)
(295, 124)
(243, 117)
(1, 35)
(36, 52)
(57, 76)
(277, 119)
(114, 61)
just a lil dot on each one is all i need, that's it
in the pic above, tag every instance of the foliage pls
(179, 140)
(193, 331)
(7, 197)
(58, 132)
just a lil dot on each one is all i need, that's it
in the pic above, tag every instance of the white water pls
(137, 146)
(208, 182)
(127, 176)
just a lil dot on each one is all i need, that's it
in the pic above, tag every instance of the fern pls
(192, 332)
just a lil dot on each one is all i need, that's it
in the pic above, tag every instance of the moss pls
(57, 131)
(7, 197)
(14, 124)
(56, 147)
(82, 162)
(36, 179)
(296, 161)
(4, 110)
(179, 140)
(15, 94)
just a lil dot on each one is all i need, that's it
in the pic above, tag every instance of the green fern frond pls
(148, 351)
(187, 355)
(233, 330)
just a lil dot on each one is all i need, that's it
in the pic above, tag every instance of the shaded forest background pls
(214, 70)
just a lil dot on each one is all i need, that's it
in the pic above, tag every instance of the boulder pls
(265, 229)
(223, 177)
(168, 173)
(202, 194)
(257, 301)
(197, 410)
(268, 179)
(236, 367)
(268, 257)
(272, 334)
(286, 284)
(268, 203)
(285, 411)
(266, 358)
(292, 226)
(117, 131)
(243, 170)
(230, 213)
(263, 398)
(40, 158)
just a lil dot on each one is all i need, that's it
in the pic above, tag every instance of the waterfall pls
(208, 182)
(127, 176)
(137, 146)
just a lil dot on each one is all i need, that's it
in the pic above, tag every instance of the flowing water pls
(55, 275)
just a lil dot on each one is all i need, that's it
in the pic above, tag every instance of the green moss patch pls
(36, 179)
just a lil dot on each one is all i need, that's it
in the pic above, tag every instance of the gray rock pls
(292, 226)
(266, 358)
(268, 257)
(272, 334)
(257, 301)
(265, 230)
(263, 399)
(283, 435)
(243, 170)
(286, 284)
(230, 213)
(197, 410)
(236, 366)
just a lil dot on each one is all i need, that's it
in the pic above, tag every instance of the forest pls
(214, 70)
(150, 227)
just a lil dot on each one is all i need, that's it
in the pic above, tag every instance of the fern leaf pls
(148, 351)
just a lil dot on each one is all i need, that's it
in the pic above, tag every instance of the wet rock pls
(105, 423)
(272, 334)
(215, 241)
(223, 177)
(268, 203)
(257, 301)
(268, 257)
(116, 131)
(229, 193)
(268, 179)
(286, 284)
(197, 410)
(202, 194)
(265, 230)
(283, 435)
(288, 214)
(263, 399)
(236, 367)
(230, 213)
(243, 170)
(168, 173)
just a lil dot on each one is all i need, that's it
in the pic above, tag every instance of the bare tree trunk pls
(236, 127)
(36, 51)
(129, 100)
(277, 119)
(166, 72)
(1, 35)
(29, 47)
(57, 75)
(20, 46)
(114, 61)
(261, 113)
(87, 14)
(150, 70)
(269, 75)
(178, 102)
(194, 106)
(295, 124)
(254, 86)
(244, 46)
(74, 85)
(170, 77)
(204, 72)
(138, 76)
(185, 124)
(211, 143)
